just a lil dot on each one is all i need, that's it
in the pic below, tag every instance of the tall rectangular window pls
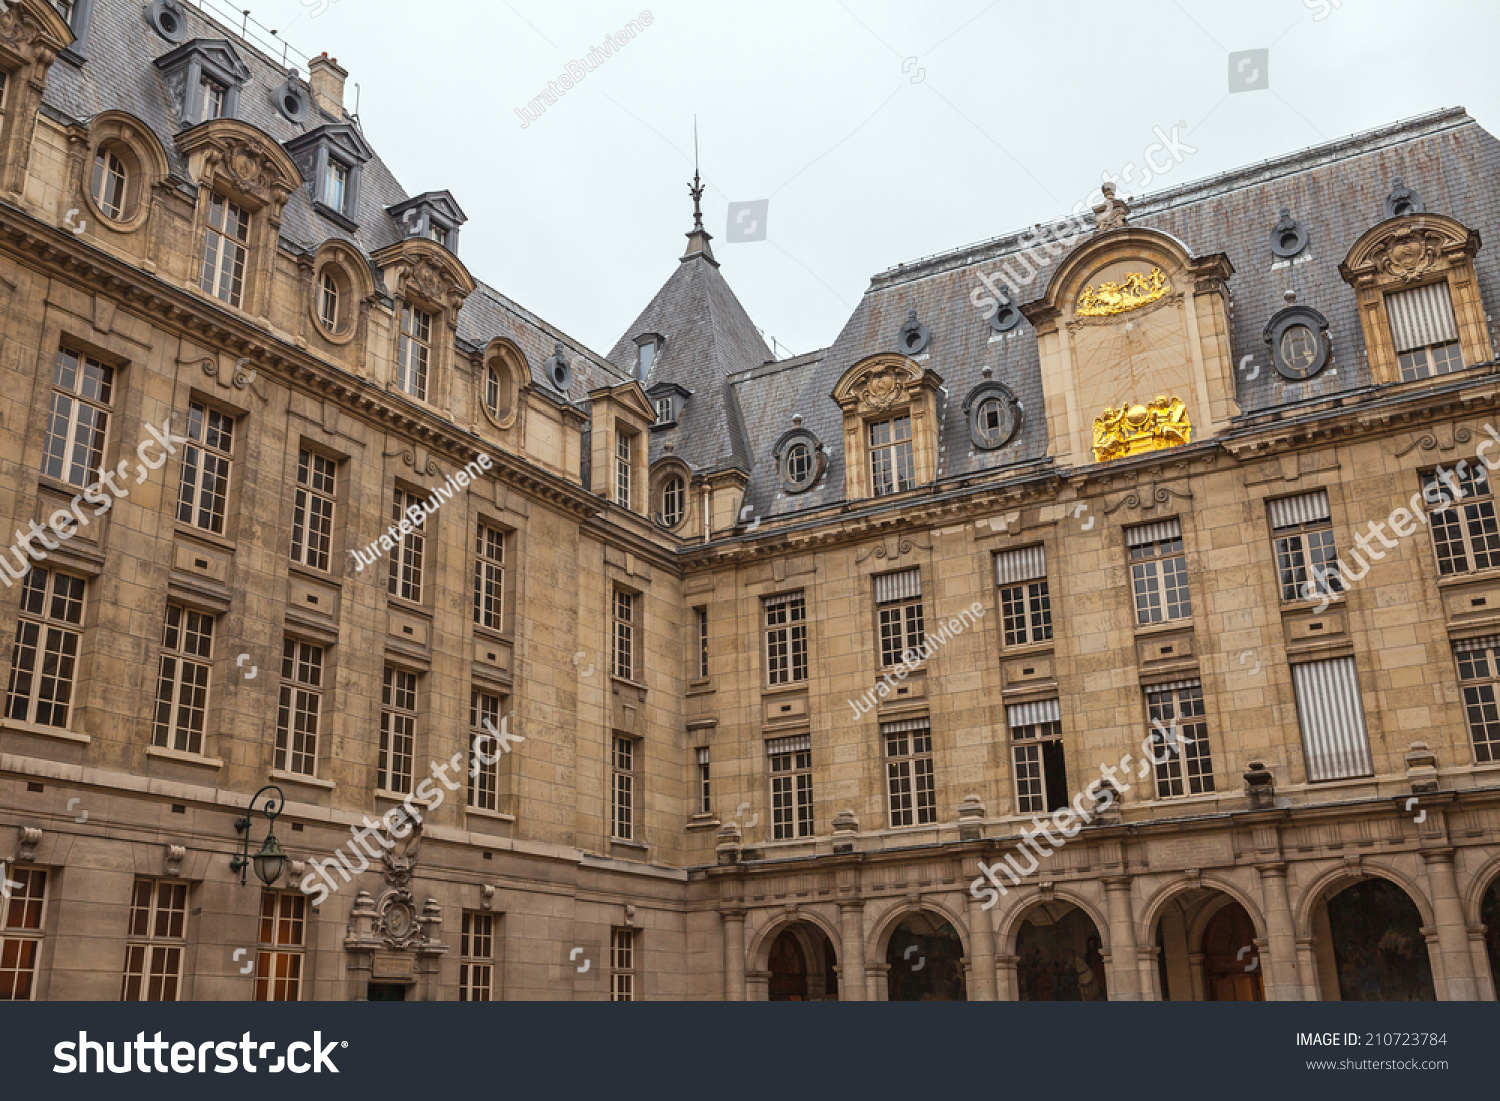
(312, 514)
(283, 946)
(622, 789)
(622, 965)
(790, 761)
(624, 456)
(398, 731)
(1461, 509)
(226, 247)
(1425, 331)
(21, 932)
(1158, 572)
(484, 750)
(624, 635)
(1334, 741)
(476, 957)
(898, 604)
(300, 710)
(489, 578)
(1479, 680)
(335, 186)
(108, 184)
(82, 390)
(700, 622)
(415, 352)
(1037, 749)
(705, 791)
(1179, 739)
(214, 96)
(156, 942)
(406, 560)
(43, 663)
(1306, 559)
(891, 467)
(182, 680)
(786, 638)
(206, 460)
(908, 772)
(1025, 597)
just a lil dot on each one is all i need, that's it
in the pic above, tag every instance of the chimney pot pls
(327, 80)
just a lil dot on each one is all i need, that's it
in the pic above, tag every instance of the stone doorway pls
(801, 966)
(1058, 956)
(925, 958)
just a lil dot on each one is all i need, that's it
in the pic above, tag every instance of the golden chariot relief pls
(1138, 429)
(1112, 298)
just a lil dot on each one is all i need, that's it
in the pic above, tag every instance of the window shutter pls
(904, 725)
(1292, 512)
(1025, 714)
(780, 599)
(1017, 566)
(1468, 645)
(703, 756)
(788, 745)
(1153, 533)
(1172, 685)
(1421, 317)
(891, 587)
(1333, 720)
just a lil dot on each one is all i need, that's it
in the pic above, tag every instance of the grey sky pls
(1007, 116)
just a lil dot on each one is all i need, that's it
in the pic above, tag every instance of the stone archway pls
(925, 961)
(1371, 946)
(1059, 956)
(800, 966)
(1206, 949)
(1489, 916)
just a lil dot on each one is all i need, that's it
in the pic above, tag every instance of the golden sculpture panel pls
(1116, 298)
(1138, 429)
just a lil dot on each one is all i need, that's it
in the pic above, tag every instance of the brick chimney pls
(327, 81)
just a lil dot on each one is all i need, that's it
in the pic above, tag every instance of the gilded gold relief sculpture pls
(1137, 429)
(1115, 298)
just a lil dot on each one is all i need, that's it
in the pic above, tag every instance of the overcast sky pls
(879, 131)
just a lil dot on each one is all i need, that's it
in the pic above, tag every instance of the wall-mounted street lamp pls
(270, 862)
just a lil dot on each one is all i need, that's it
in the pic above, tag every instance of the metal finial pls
(696, 191)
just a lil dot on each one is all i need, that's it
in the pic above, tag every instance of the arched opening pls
(1489, 915)
(926, 960)
(801, 966)
(1376, 951)
(1206, 951)
(1059, 958)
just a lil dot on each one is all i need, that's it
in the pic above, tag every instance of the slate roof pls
(119, 75)
(1337, 191)
(709, 337)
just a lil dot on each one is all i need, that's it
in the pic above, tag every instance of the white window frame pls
(489, 577)
(624, 459)
(1158, 568)
(1035, 734)
(622, 965)
(1178, 717)
(414, 351)
(624, 767)
(313, 510)
(785, 620)
(623, 651)
(400, 698)
(476, 957)
(911, 786)
(110, 183)
(1461, 516)
(410, 553)
(207, 468)
(789, 765)
(485, 709)
(78, 427)
(892, 459)
(226, 250)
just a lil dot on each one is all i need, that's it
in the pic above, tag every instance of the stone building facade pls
(1111, 611)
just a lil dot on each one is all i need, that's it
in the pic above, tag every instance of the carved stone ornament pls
(1112, 214)
(882, 390)
(396, 915)
(1138, 429)
(1409, 256)
(18, 27)
(427, 281)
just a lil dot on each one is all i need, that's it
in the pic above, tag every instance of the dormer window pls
(109, 183)
(667, 398)
(434, 216)
(332, 158)
(226, 247)
(328, 301)
(891, 462)
(204, 78)
(415, 352)
(664, 412)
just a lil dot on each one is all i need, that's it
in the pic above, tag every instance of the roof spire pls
(698, 237)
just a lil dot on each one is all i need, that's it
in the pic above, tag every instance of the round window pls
(1299, 348)
(991, 421)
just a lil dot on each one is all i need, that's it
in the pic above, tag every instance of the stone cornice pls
(176, 310)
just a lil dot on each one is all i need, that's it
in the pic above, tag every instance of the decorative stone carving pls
(1409, 256)
(1260, 786)
(914, 337)
(176, 854)
(1288, 238)
(971, 818)
(882, 390)
(396, 922)
(1112, 213)
(728, 843)
(1112, 298)
(845, 831)
(1421, 769)
(1402, 201)
(30, 837)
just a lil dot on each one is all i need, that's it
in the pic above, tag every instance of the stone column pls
(1124, 976)
(734, 954)
(1307, 968)
(981, 953)
(1008, 984)
(1279, 964)
(852, 952)
(1459, 984)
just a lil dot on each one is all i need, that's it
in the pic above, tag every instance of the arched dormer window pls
(341, 287)
(244, 180)
(32, 35)
(1419, 302)
(890, 426)
(204, 78)
(800, 460)
(505, 371)
(430, 287)
(671, 496)
(122, 166)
